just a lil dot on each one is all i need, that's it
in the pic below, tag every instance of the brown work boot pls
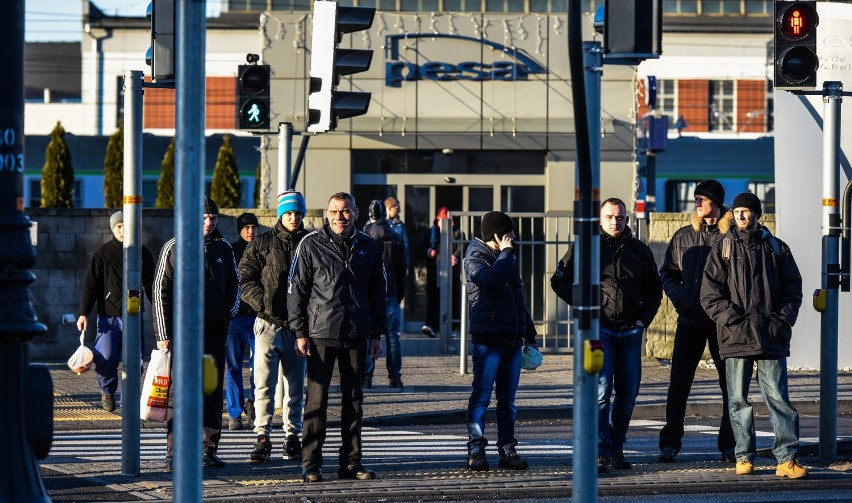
(791, 469)
(745, 467)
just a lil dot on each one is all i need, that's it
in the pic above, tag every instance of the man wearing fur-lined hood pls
(682, 272)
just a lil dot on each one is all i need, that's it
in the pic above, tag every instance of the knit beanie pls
(210, 207)
(115, 219)
(750, 201)
(496, 222)
(246, 219)
(291, 200)
(713, 190)
(376, 210)
(443, 212)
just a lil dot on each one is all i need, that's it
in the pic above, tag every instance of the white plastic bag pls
(81, 360)
(531, 359)
(155, 390)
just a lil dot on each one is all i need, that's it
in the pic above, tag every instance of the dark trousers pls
(211, 407)
(350, 366)
(688, 349)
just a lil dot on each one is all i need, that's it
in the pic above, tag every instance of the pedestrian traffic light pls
(329, 62)
(161, 55)
(253, 104)
(796, 60)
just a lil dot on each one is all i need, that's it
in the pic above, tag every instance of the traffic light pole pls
(285, 155)
(832, 97)
(22, 440)
(131, 276)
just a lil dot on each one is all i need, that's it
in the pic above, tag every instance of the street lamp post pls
(23, 438)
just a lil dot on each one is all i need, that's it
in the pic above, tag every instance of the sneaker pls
(604, 464)
(746, 468)
(312, 475)
(108, 402)
(728, 456)
(356, 472)
(619, 463)
(426, 329)
(249, 410)
(211, 459)
(293, 448)
(395, 382)
(477, 462)
(235, 424)
(791, 469)
(513, 461)
(262, 450)
(667, 455)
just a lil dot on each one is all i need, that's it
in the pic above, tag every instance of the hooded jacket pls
(752, 289)
(104, 279)
(240, 246)
(631, 288)
(683, 269)
(498, 312)
(393, 256)
(265, 269)
(337, 289)
(221, 287)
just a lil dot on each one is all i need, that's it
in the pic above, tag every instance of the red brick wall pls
(751, 99)
(692, 103)
(220, 105)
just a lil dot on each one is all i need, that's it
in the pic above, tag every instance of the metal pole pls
(18, 466)
(131, 319)
(300, 158)
(285, 156)
(445, 273)
(586, 287)
(463, 330)
(189, 281)
(832, 98)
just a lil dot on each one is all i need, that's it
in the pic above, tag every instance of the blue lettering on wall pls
(397, 71)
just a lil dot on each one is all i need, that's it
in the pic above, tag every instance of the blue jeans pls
(622, 372)
(772, 379)
(107, 353)
(493, 364)
(393, 351)
(240, 333)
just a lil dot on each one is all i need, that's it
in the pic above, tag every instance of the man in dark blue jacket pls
(500, 325)
(336, 308)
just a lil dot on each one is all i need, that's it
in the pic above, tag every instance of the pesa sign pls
(397, 71)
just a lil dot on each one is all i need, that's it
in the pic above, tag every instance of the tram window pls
(766, 192)
(679, 195)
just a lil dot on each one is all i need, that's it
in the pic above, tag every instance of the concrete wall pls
(66, 240)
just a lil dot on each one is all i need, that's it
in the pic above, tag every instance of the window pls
(35, 193)
(758, 7)
(463, 5)
(721, 7)
(290, 4)
(722, 112)
(679, 196)
(680, 7)
(766, 192)
(514, 162)
(667, 98)
(770, 106)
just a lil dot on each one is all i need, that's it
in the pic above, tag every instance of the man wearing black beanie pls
(682, 270)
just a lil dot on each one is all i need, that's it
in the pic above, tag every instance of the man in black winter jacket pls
(393, 257)
(500, 326)
(221, 300)
(103, 286)
(336, 305)
(264, 272)
(631, 292)
(752, 289)
(682, 271)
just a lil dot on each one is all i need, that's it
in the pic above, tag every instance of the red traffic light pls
(255, 79)
(798, 21)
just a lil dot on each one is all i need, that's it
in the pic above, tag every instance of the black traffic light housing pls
(795, 43)
(161, 55)
(253, 97)
(633, 29)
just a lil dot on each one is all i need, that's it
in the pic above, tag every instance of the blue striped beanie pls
(291, 200)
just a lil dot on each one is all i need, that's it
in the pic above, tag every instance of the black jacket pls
(264, 270)
(239, 246)
(337, 289)
(393, 256)
(683, 269)
(221, 287)
(631, 289)
(752, 289)
(498, 312)
(103, 283)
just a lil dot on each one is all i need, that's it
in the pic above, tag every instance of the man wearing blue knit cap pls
(263, 280)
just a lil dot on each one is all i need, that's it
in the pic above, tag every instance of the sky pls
(61, 20)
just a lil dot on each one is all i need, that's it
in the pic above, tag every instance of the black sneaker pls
(667, 455)
(477, 462)
(427, 330)
(235, 424)
(262, 450)
(604, 464)
(211, 459)
(108, 402)
(619, 463)
(728, 456)
(293, 448)
(513, 462)
(356, 472)
(249, 410)
(312, 475)
(395, 382)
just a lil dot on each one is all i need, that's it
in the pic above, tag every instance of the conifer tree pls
(225, 189)
(57, 175)
(166, 183)
(114, 170)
